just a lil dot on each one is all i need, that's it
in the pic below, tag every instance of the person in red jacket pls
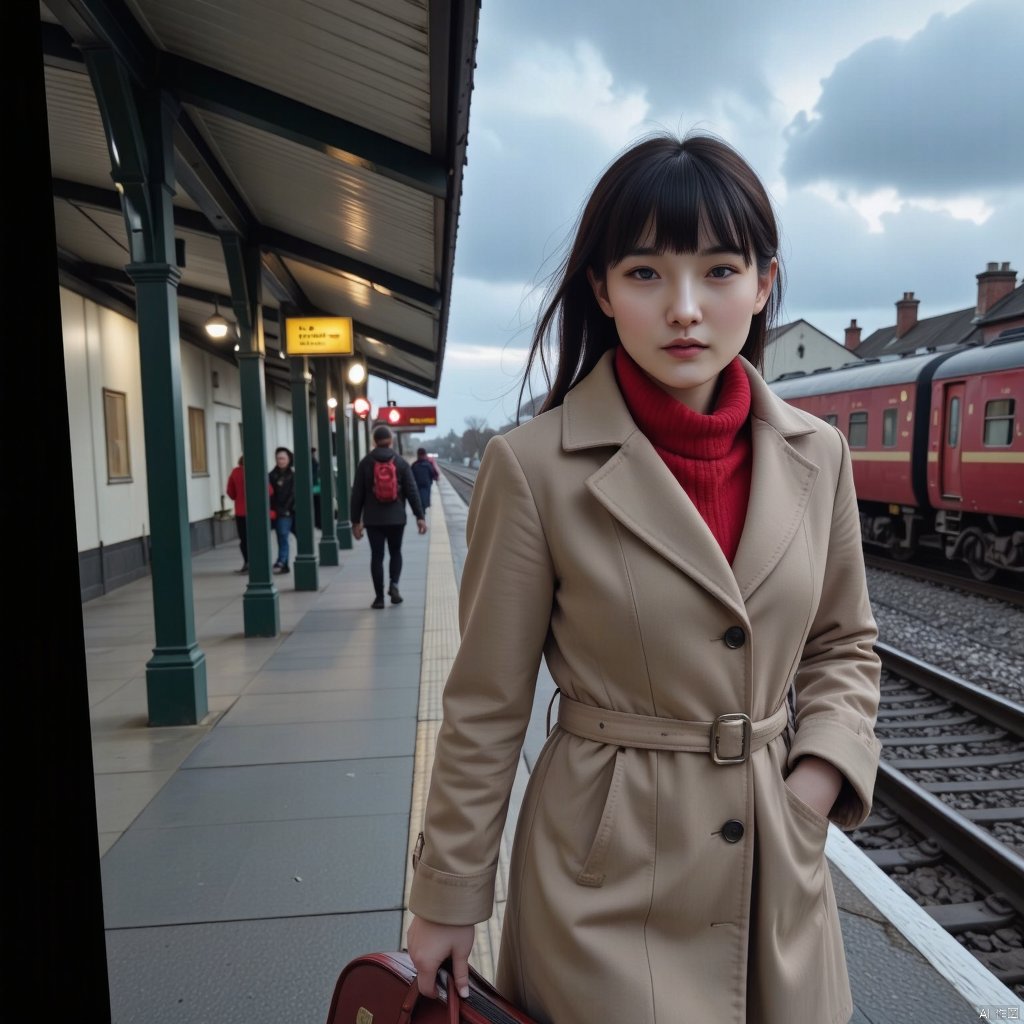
(236, 492)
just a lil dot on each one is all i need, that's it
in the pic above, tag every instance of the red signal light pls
(361, 407)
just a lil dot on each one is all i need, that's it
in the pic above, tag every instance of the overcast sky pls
(890, 137)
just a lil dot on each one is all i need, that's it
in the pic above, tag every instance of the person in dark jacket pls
(425, 472)
(384, 521)
(282, 505)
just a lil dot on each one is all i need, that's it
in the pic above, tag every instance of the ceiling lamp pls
(217, 326)
(357, 373)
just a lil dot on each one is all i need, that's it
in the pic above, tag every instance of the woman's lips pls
(685, 349)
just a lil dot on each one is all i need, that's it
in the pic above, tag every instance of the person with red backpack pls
(383, 484)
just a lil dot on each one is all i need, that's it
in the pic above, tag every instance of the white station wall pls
(101, 350)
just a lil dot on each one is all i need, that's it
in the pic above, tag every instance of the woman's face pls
(683, 317)
(282, 460)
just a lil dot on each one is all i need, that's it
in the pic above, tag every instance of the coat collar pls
(636, 486)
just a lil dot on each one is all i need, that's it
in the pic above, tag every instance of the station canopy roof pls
(331, 133)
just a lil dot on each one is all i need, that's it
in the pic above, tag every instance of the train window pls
(858, 429)
(889, 428)
(999, 422)
(953, 437)
(831, 419)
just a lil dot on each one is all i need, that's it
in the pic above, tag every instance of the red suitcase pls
(380, 988)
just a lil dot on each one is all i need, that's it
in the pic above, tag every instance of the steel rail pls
(1006, 714)
(983, 856)
(1012, 595)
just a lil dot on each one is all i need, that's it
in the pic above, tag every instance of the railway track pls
(1011, 594)
(948, 822)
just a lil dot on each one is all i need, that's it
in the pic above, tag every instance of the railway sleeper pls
(964, 761)
(991, 814)
(982, 915)
(942, 740)
(972, 785)
(923, 854)
(899, 714)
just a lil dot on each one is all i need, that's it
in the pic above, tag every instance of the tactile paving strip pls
(440, 644)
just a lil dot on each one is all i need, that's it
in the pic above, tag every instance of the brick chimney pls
(906, 313)
(994, 283)
(852, 335)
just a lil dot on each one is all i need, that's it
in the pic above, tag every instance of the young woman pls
(684, 550)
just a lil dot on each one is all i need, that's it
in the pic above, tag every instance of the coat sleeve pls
(837, 682)
(505, 600)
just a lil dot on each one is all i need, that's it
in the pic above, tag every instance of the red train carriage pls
(976, 456)
(937, 448)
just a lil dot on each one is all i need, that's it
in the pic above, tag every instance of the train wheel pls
(901, 554)
(973, 553)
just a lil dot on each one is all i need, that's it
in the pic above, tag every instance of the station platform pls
(247, 859)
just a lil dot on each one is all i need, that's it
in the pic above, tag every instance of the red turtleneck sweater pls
(710, 455)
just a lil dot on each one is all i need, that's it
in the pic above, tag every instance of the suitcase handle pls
(413, 995)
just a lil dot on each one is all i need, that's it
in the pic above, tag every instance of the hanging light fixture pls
(217, 326)
(357, 372)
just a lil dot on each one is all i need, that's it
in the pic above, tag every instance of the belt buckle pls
(729, 719)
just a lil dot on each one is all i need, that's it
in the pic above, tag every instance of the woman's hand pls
(357, 531)
(421, 525)
(431, 944)
(816, 782)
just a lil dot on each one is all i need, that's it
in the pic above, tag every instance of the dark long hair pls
(686, 189)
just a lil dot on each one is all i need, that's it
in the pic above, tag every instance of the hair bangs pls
(679, 205)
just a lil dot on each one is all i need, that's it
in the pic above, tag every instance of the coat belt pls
(729, 739)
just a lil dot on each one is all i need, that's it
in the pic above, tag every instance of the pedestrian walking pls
(425, 472)
(382, 485)
(684, 550)
(282, 505)
(235, 490)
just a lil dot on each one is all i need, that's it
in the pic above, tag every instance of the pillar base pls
(261, 613)
(176, 686)
(306, 575)
(329, 551)
(344, 532)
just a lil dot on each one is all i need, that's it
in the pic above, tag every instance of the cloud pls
(935, 116)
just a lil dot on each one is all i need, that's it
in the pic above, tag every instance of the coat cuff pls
(854, 753)
(445, 898)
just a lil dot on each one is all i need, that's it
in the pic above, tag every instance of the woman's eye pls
(721, 272)
(642, 274)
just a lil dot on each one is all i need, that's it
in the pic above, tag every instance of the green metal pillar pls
(306, 576)
(344, 530)
(139, 127)
(328, 538)
(261, 614)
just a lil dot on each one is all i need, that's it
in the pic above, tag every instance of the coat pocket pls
(816, 820)
(593, 871)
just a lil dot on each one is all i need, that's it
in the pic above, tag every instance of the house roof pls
(777, 332)
(1009, 307)
(934, 332)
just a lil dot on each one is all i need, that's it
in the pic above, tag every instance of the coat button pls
(732, 831)
(735, 637)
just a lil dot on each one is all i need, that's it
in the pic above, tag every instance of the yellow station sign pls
(318, 336)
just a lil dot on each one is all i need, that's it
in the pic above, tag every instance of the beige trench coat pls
(583, 547)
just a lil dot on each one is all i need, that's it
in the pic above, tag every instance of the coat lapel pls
(780, 486)
(638, 489)
(636, 486)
